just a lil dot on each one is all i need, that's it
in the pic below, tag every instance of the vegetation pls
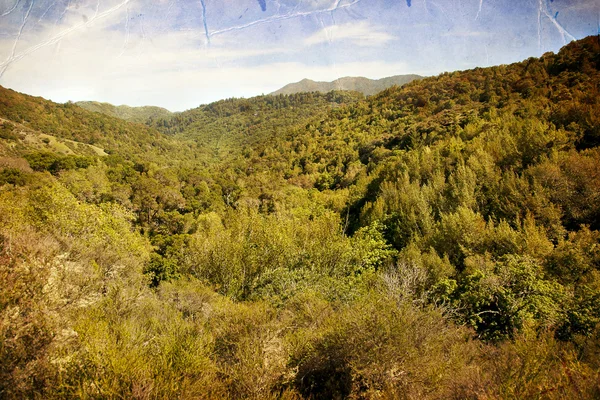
(133, 114)
(439, 240)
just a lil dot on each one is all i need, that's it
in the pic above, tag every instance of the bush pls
(13, 176)
(378, 347)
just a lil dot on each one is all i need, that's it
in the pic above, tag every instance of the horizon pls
(179, 55)
(243, 97)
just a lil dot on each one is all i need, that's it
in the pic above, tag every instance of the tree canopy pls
(435, 240)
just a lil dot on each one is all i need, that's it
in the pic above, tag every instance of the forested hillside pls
(133, 114)
(439, 240)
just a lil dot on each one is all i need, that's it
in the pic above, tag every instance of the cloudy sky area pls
(179, 54)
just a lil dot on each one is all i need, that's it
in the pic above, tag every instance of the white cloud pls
(359, 34)
(174, 88)
(176, 70)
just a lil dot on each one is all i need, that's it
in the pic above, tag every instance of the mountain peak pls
(359, 84)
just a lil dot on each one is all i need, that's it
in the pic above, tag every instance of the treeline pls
(437, 240)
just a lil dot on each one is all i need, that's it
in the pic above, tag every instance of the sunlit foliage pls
(438, 240)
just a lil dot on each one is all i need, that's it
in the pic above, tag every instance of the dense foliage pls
(132, 114)
(437, 240)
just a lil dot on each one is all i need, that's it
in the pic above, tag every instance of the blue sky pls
(180, 54)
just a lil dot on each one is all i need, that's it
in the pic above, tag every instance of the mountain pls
(132, 114)
(221, 129)
(57, 125)
(359, 84)
(439, 240)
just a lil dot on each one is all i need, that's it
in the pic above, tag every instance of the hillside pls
(70, 123)
(358, 84)
(227, 128)
(436, 240)
(132, 114)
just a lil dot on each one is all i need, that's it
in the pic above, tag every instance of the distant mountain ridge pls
(127, 113)
(359, 84)
(146, 114)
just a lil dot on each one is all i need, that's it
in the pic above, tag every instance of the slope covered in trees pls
(438, 240)
(70, 122)
(229, 128)
(133, 114)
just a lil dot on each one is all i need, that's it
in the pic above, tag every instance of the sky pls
(179, 54)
